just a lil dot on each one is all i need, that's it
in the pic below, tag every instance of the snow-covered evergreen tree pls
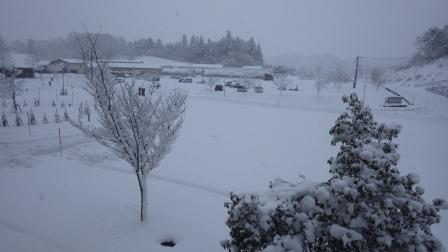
(367, 205)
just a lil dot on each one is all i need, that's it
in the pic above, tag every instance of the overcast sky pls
(345, 28)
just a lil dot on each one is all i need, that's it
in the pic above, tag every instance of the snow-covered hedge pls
(365, 206)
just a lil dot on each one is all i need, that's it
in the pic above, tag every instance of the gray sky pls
(344, 28)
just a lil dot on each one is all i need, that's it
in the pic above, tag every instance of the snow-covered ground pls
(87, 199)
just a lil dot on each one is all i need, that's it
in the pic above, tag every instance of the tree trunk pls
(143, 195)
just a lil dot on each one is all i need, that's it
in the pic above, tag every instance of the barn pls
(66, 66)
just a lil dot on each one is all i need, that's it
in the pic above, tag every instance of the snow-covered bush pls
(32, 118)
(57, 117)
(66, 117)
(365, 206)
(45, 119)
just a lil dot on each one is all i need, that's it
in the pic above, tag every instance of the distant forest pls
(431, 45)
(229, 50)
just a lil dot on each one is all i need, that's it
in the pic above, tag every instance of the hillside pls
(309, 63)
(420, 74)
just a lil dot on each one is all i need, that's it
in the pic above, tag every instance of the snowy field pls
(85, 199)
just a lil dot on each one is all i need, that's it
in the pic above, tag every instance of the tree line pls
(431, 45)
(229, 50)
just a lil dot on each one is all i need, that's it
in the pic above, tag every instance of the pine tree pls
(371, 206)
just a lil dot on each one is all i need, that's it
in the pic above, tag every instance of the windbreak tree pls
(138, 129)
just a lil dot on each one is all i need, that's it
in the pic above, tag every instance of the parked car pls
(219, 88)
(186, 80)
(258, 89)
(241, 88)
(228, 83)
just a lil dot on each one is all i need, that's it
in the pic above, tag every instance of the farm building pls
(23, 64)
(134, 67)
(66, 66)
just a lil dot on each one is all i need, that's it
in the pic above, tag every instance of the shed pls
(268, 77)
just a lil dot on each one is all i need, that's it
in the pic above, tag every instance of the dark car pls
(219, 88)
(186, 80)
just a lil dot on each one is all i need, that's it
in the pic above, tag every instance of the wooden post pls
(60, 142)
(356, 72)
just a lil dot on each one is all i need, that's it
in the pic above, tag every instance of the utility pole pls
(356, 71)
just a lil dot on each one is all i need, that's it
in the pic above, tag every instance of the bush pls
(365, 206)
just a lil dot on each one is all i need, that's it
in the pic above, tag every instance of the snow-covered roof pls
(156, 62)
(70, 61)
(252, 67)
(21, 60)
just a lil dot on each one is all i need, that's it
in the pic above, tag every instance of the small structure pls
(268, 77)
(394, 101)
(66, 66)
(258, 89)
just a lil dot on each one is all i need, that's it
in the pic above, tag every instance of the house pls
(23, 64)
(66, 66)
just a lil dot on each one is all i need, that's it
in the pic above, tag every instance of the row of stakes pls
(84, 109)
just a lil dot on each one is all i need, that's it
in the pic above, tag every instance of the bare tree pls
(282, 81)
(377, 77)
(138, 129)
(211, 82)
(320, 84)
(338, 77)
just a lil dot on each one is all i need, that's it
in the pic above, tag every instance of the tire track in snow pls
(174, 181)
(29, 233)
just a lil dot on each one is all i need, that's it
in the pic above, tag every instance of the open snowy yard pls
(87, 199)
